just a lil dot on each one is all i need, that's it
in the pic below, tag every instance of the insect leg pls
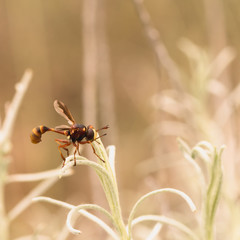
(63, 144)
(96, 153)
(84, 142)
(76, 145)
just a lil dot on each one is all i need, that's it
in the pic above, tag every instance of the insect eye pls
(90, 134)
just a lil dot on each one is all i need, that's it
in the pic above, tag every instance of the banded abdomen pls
(37, 132)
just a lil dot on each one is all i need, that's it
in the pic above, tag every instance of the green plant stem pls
(109, 186)
(114, 204)
(213, 194)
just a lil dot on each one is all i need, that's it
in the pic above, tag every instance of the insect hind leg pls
(63, 144)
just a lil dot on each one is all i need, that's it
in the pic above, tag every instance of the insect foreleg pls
(90, 142)
(76, 145)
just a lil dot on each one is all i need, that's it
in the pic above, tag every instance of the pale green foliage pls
(107, 176)
(211, 158)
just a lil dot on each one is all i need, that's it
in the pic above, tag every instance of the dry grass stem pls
(161, 52)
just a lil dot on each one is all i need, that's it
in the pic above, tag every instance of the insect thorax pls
(77, 132)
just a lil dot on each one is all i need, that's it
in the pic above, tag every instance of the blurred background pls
(152, 70)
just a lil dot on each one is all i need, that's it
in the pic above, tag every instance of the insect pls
(76, 133)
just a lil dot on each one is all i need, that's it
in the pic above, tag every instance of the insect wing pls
(62, 110)
(62, 127)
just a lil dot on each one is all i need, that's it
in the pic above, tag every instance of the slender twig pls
(21, 87)
(163, 219)
(155, 231)
(5, 145)
(31, 177)
(162, 55)
(27, 200)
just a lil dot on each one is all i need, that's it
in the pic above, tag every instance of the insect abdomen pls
(37, 132)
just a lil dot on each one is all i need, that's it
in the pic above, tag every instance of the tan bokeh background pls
(48, 37)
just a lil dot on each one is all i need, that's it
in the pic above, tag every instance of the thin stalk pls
(3, 219)
(114, 205)
(108, 180)
(32, 177)
(21, 88)
(163, 58)
(155, 231)
(27, 200)
(165, 220)
(5, 146)
(213, 195)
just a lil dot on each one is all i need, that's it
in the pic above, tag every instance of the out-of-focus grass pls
(204, 49)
